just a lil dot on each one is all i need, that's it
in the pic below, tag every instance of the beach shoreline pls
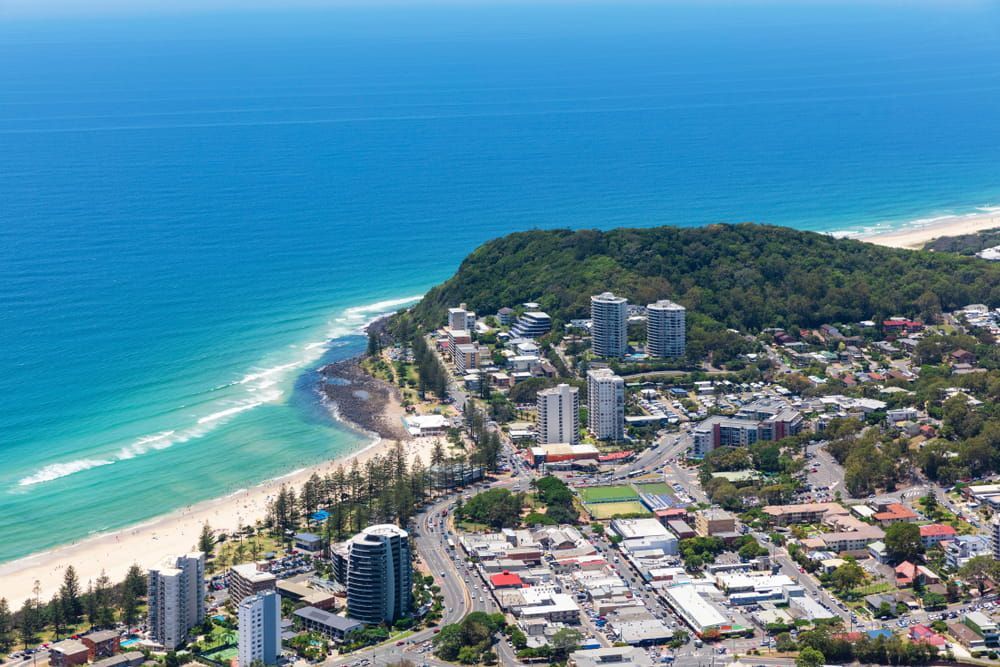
(148, 543)
(916, 235)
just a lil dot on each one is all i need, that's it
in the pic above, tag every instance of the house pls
(961, 549)
(961, 356)
(68, 653)
(102, 643)
(924, 635)
(907, 573)
(934, 533)
(966, 636)
(891, 513)
(878, 552)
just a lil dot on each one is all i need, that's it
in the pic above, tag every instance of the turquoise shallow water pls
(196, 211)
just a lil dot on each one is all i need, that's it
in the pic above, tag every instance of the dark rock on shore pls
(364, 402)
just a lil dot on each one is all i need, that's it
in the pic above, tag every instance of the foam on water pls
(262, 385)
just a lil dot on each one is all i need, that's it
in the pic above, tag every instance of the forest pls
(747, 276)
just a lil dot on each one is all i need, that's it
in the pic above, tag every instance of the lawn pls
(656, 489)
(611, 510)
(608, 494)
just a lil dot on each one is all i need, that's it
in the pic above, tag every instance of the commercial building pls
(379, 574)
(784, 515)
(176, 599)
(558, 415)
(764, 420)
(562, 453)
(984, 626)
(665, 324)
(259, 618)
(331, 626)
(616, 656)
(644, 534)
(248, 579)
(605, 404)
(694, 609)
(714, 521)
(542, 603)
(532, 324)
(608, 325)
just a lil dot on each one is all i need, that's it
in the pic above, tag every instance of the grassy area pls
(608, 494)
(873, 589)
(611, 510)
(655, 488)
(231, 553)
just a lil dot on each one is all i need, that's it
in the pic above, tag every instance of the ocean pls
(198, 210)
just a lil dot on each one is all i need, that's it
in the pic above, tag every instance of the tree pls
(56, 615)
(809, 657)
(979, 570)
(374, 343)
(6, 625)
(848, 576)
(30, 624)
(902, 542)
(69, 594)
(565, 640)
(206, 541)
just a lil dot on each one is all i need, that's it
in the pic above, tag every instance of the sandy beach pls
(953, 225)
(175, 533)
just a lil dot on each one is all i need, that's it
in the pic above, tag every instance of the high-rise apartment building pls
(259, 619)
(665, 323)
(558, 415)
(608, 325)
(379, 574)
(605, 404)
(176, 599)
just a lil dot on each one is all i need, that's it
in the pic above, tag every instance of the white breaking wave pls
(57, 470)
(260, 385)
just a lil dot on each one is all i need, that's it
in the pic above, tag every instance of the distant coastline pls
(358, 401)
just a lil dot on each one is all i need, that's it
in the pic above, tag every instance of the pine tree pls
(206, 541)
(6, 625)
(135, 581)
(57, 617)
(69, 594)
(29, 623)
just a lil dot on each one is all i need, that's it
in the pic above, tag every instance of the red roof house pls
(933, 533)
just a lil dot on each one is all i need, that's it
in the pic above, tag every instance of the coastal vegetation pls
(746, 277)
(965, 244)
(470, 641)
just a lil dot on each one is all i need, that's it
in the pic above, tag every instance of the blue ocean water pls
(196, 211)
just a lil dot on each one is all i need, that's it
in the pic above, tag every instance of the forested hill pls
(745, 276)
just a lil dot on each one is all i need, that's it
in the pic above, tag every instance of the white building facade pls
(259, 619)
(558, 415)
(605, 404)
(665, 326)
(176, 599)
(608, 325)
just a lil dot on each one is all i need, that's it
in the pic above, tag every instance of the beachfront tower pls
(608, 325)
(605, 404)
(259, 629)
(379, 575)
(176, 599)
(558, 415)
(665, 322)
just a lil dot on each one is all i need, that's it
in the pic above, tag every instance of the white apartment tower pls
(259, 619)
(461, 318)
(995, 537)
(605, 404)
(608, 325)
(558, 414)
(176, 599)
(665, 322)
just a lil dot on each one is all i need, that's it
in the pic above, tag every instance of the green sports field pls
(611, 510)
(608, 494)
(656, 489)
